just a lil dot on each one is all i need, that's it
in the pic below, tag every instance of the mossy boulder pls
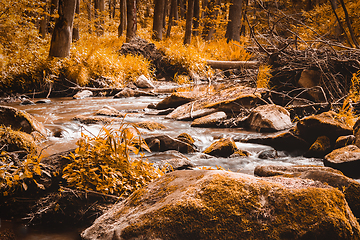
(224, 147)
(11, 140)
(150, 125)
(110, 111)
(214, 204)
(326, 175)
(269, 118)
(20, 121)
(161, 143)
(344, 141)
(319, 148)
(346, 159)
(210, 120)
(92, 119)
(185, 137)
(324, 124)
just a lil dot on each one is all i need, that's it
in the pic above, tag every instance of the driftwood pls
(233, 64)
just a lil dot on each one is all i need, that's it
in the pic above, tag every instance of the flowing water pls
(57, 115)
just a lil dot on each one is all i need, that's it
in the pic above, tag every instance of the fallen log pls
(232, 64)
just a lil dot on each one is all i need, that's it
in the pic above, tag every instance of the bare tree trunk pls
(234, 24)
(166, 12)
(158, 19)
(173, 10)
(189, 21)
(196, 17)
(349, 24)
(131, 20)
(333, 5)
(182, 8)
(43, 29)
(122, 25)
(76, 34)
(99, 15)
(62, 36)
(211, 13)
(54, 5)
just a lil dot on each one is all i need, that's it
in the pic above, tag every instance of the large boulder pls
(150, 125)
(326, 175)
(20, 120)
(269, 118)
(319, 148)
(324, 124)
(309, 79)
(224, 147)
(144, 82)
(11, 140)
(177, 99)
(109, 111)
(210, 120)
(205, 204)
(161, 143)
(83, 94)
(346, 159)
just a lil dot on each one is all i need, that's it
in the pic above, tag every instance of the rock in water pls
(161, 143)
(222, 148)
(210, 120)
(346, 159)
(20, 120)
(83, 94)
(143, 82)
(269, 118)
(203, 204)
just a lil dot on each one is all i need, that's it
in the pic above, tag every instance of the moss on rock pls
(11, 140)
(222, 148)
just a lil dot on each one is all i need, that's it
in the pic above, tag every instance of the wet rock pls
(326, 175)
(185, 137)
(43, 101)
(128, 92)
(356, 132)
(230, 100)
(150, 125)
(324, 124)
(196, 205)
(195, 114)
(83, 94)
(20, 120)
(346, 159)
(160, 143)
(176, 164)
(287, 141)
(11, 140)
(222, 148)
(310, 79)
(92, 119)
(319, 148)
(144, 82)
(177, 99)
(269, 118)
(343, 141)
(268, 154)
(110, 111)
(27, 102)
(160, 112)
(210, 120)
(240, 153)
(58, 132)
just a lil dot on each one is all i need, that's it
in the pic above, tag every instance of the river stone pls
(324, 124)
(93, 119)
(177, 99)
(343, 141)
(128, 92)
(176, 164)
(144, 82)
(110, 111)
(287, 141)
(11, 141)
(222, 148)
(326, 175)
(213, 204)
(209, 120)
(269, 118)
(83, 94)
(195, 114)
(27, 102)
(43, 101)
(161, 143)
(356, 132)
(346, 159)
(150, 125)
(185, 137)
(20, 120)
(319, 148)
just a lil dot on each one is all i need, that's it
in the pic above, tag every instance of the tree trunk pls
(334, 6)
(173, 10)
(62, 36)
(53, 8)
(349, 24)
(196, 17)
(76, 34)
(131, 20)
(166, 13)
(89, 13)
(158, 19)
(234, 24)
(43, 30)
(182, 8)
(210, 16)
(189, 21)
(122, 25)
(99, 15)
